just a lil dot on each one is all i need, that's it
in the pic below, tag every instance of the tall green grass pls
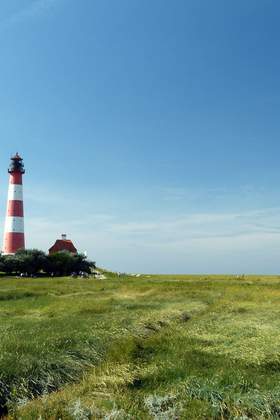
(152, 347)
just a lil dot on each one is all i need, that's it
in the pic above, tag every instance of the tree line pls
(34, 262)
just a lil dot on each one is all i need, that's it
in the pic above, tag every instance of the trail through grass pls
(150, 347)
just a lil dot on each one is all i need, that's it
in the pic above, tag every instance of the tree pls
(80, 263)
(65, 263)
(10, 264)
(34, 261)
(31, 261)
(60, 263)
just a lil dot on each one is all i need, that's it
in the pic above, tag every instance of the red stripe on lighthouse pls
(15, 208)
(13, 241)
(16, 178)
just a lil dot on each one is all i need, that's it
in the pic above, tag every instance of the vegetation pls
(34, 261)
(153, 347)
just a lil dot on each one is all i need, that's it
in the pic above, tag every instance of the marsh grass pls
(153, 347)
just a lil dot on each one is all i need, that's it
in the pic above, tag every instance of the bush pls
(31, 261)
(34, 261)
(63, 263)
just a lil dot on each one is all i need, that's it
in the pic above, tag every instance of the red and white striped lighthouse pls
(14, 226)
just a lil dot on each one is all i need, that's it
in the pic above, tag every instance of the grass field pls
(159, 347)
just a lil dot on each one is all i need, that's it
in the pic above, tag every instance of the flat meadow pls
(153, 347)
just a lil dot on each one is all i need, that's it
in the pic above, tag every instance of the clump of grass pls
(185, 317)
(116, 414)
(271, 364)
(240, 310)
(16, 295)
(78, 411)
(234, 401)
(162, 407)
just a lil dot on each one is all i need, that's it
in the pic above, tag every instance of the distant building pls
(63, 244)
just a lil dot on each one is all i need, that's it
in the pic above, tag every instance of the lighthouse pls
(14, 226)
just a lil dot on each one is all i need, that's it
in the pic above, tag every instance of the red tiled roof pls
(63, 245)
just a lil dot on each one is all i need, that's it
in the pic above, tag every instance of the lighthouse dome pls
(16, 165)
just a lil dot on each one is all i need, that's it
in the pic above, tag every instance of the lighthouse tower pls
(14, 226)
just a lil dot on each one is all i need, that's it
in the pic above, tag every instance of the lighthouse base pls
(13, 242)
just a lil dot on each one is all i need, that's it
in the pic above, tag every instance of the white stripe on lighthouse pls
(15, 192)
(14, 224)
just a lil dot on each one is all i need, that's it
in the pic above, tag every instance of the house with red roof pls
(63, 244)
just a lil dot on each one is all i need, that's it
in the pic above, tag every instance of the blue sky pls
(149, 128)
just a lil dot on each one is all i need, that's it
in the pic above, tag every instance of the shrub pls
(34, 261)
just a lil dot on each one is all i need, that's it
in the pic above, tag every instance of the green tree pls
(65, 263)
(31, 261)
(34, 261)
(10, 264)
(60, 263)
